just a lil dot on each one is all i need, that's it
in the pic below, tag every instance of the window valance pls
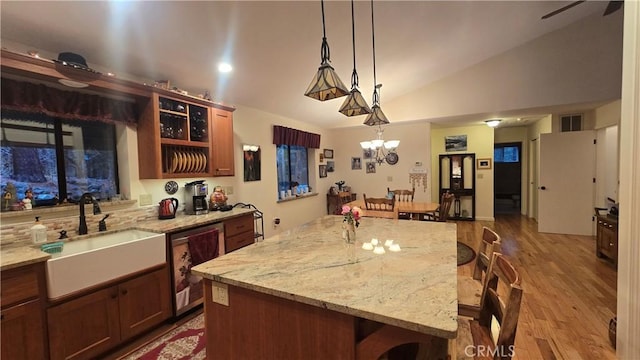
(288, 136)
(38, 98)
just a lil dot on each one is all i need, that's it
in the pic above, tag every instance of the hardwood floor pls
(569, 294)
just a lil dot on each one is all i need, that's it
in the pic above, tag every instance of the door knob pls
(542, 188)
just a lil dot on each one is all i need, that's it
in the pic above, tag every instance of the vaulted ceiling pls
(274, 47)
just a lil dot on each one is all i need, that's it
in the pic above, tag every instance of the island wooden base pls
(262, 326)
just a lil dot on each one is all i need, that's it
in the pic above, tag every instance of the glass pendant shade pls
(376, 117)
(326, 84)
(355, 104)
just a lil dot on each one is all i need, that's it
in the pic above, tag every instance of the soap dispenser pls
(38, 232)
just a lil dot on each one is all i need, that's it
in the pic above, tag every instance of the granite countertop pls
(414, 288)
(15, 256)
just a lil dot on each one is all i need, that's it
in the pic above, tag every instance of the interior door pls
(566, 188)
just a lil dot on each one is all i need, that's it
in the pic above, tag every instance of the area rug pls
(186, 342)
(465, 254)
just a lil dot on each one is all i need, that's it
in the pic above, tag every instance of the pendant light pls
(355, 104)
(376, 117)
(326, 84)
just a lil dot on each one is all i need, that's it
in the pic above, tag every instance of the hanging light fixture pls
(383, 150)
(326, 84)
(376, 117)
(354, 104)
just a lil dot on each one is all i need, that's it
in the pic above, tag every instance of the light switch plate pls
(220, 293)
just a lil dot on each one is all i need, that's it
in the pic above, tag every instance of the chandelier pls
(382, 150)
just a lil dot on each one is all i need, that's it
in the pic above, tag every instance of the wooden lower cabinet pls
(22, 332)
(607, 238)
(238, 232)
(144, 303)
(95, 323)
(22, 315)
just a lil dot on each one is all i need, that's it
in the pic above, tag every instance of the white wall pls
(479, 141)
(251, 126)
(414, 147)
(547, 71)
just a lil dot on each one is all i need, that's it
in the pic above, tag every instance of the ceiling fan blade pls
(613, 7)
(562, 9)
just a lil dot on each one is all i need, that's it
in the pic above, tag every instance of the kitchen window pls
(293, 167)
(57, 159)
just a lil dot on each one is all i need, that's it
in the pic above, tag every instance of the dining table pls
(417, 210)
(302, 294)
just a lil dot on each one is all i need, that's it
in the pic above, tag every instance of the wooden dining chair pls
(442, 212)
(470, 287)
(403, 195)
(501, 299)
(380, 207)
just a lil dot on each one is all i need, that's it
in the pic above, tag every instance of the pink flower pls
(351, 215)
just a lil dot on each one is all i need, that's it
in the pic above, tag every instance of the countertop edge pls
(15, 256)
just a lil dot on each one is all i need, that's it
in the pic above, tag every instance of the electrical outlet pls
(229, 190)
(145, 199)
(220, 293)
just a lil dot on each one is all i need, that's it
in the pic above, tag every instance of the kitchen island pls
(299, 295)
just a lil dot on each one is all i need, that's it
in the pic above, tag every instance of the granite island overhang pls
(272, 285)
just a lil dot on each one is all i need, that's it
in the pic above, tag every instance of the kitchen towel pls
(203, 247)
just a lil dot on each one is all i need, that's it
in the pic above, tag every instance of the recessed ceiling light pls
(224, 67)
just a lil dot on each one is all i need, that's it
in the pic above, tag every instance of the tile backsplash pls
(19, 233)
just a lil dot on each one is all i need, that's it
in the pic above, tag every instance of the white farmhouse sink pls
(103, 257)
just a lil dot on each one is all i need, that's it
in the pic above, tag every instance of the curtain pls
(40, 99)
(288, 136)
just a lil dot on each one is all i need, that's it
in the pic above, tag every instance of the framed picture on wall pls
(251, 162)
(356, 163)
(322, 170)
(484, 164)
(328, 153)
(331, 166)
(321, 157)
(367, 154)
(455, 143)
(371, 167)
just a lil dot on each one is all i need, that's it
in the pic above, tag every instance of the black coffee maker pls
(195, 202)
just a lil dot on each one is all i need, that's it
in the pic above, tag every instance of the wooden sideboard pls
(607, 237)
(333, 201)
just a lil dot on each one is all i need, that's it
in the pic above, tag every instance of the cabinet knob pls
(610, 244)
(124, 291)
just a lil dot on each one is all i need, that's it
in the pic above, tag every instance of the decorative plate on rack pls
(171, 187)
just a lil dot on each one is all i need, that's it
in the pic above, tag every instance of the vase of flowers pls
(350, 222)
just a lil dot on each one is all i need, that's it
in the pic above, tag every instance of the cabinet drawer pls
(238, 225)
(236, 242)
(19, 284)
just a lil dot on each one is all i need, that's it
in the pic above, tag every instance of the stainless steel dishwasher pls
(186, 288)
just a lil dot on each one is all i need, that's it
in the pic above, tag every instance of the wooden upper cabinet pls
(178, 137)
(222, 143)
